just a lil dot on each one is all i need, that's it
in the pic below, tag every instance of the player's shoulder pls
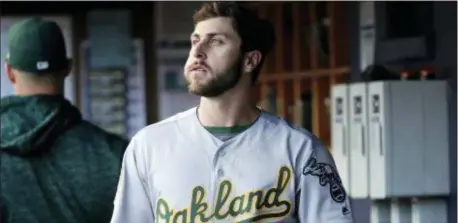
(165, 128)
(296, 135)
(283, 126)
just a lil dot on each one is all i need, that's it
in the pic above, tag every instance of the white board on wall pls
(65, 24)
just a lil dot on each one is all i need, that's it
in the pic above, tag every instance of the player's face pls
(214, 61)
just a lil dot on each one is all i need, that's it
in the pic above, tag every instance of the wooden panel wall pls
(311, 54)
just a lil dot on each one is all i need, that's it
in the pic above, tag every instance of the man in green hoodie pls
(55, 167)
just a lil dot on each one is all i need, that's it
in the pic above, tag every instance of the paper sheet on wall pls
(136, 106)
(133, 114)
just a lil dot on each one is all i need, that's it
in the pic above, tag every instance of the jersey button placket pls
(220, 171)
(218, 174)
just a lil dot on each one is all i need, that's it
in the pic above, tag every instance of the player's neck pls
(38, 90)
(230, 109)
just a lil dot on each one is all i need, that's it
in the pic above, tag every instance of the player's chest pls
(228, 182)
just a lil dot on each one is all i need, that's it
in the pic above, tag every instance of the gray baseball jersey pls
(177, 171)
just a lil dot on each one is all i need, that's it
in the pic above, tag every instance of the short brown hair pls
(255, 33)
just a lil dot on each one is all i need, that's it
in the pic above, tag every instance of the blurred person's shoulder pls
(96, 138)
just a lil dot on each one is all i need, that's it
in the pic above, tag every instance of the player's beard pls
(219, 83)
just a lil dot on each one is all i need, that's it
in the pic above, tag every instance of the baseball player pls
(226, 160)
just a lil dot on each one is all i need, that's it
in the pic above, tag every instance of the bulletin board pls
(114, 98)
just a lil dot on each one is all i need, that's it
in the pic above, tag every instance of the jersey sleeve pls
(321, 196)
(132, 203)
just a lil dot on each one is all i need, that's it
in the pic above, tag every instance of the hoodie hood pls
(30, 124)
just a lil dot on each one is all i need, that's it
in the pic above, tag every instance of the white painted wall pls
(171, 25)
(65, 24)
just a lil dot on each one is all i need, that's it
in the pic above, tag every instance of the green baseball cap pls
(36, 46)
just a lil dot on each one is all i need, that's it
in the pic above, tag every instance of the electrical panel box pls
(359, 155)
(339, 128)
(408, 126)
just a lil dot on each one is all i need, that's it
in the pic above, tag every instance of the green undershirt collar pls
(227, 130)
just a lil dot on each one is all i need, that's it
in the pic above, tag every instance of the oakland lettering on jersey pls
(252, 206)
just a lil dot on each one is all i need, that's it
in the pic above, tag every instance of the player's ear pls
(251, 61)
(9, 71)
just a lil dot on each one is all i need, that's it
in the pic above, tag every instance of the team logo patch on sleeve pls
(326, 175)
